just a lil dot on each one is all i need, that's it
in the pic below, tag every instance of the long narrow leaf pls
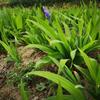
(66, 84)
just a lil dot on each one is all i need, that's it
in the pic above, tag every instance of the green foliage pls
(40, 87)
(94, 71)
(66, 84)
(11, 49)
(23, 92)
(66, 39)
(59, 93)
(64, 35)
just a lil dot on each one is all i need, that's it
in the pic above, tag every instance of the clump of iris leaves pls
(66, 37)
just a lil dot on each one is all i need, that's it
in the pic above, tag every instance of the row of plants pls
(66, 37)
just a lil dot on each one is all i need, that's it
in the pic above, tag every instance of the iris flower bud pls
(46, 12)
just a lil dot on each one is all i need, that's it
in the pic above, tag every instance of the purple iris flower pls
(46, 12)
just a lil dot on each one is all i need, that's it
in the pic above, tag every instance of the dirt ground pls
(11, 92)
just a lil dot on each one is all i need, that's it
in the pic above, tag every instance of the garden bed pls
(50, 54)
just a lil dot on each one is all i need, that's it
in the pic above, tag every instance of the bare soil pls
(11, 92)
